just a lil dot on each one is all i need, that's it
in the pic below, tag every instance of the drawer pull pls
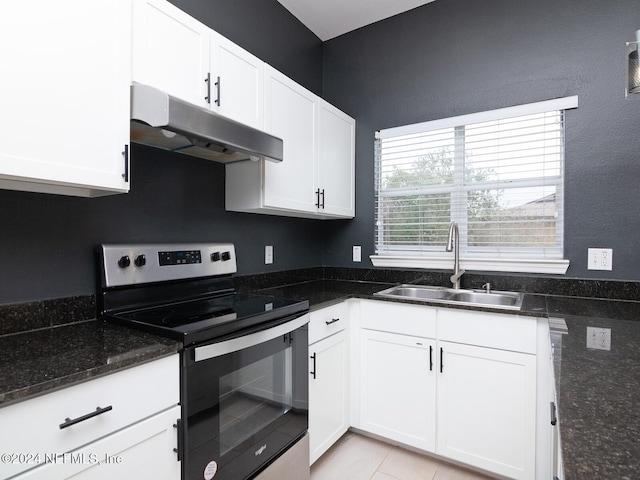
(333, 320)
(554, 418)
(99, 411)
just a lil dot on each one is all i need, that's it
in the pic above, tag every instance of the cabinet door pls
(328, 393)
(65, 96)
(143, 450)
(336, 161)
(290, 113)
(486, 409)
(398, 388)
(170, 51)
(237, 77)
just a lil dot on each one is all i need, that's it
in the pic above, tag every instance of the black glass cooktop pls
(210, 318)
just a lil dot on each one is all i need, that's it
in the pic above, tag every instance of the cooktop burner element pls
(182, 291)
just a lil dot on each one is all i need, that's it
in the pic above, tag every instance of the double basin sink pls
(452, 296)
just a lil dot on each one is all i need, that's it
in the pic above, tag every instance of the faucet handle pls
(487, 286)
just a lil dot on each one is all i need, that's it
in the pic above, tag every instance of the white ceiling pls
(331, 18)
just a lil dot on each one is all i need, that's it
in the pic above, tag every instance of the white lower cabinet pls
(486, 408)
(328, 405)
(328, 378)
(143, 450)
(461, 384)
(398, 388)
(119, 425)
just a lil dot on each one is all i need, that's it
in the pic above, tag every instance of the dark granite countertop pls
(598, 391)
(322, 293)
(41, 361)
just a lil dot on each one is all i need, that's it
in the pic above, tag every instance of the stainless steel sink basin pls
(417, 292)
(494, 299)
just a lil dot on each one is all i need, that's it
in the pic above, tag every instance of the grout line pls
(381, 462)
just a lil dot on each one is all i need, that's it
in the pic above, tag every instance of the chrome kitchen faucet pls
(454, 237)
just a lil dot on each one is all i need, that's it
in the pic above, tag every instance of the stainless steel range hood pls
(163, 121)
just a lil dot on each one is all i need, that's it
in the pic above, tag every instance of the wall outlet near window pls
(357, 253)
(268, 254)
(600, 259)
(599, 338)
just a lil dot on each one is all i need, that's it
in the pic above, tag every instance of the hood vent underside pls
(160, 120)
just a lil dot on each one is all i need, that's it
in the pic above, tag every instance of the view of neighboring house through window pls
(498, 174)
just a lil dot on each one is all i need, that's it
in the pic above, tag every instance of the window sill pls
(554, 267)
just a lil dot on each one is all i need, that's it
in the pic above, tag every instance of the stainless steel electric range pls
(244, 393)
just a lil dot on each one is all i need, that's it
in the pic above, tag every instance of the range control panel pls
(146, 263)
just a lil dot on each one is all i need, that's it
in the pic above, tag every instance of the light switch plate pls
(357, 253)
(268, 254)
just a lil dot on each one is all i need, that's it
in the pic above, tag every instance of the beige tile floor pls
(356, 457)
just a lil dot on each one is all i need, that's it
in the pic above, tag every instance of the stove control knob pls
(124, 261)
(215, 257)
(140, 260)
(226, 256)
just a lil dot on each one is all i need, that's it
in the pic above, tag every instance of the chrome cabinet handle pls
(208, 82)
(99, 411)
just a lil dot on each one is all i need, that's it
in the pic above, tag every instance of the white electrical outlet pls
(599, 338)
(600, 259)
(268, 254)
(357, 253)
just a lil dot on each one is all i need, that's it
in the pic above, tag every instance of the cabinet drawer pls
(133, 394)
(493, 330)
(394, 317)
(327, 321)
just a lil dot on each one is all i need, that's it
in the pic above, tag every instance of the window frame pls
(415, 258)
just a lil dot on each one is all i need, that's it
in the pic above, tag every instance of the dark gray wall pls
(453, 57)
(47, 241)
(447, 58)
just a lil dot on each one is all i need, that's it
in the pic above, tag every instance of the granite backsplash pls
(21, 317)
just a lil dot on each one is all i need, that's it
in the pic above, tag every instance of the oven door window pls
(246, 406)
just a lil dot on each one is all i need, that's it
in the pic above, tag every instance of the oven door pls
(245, 401)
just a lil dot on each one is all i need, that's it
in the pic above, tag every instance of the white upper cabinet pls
(291, 115)
(181, 56)
(236, 83)
(170, 51)
(65, 96)
(316, 177)
(336, 165)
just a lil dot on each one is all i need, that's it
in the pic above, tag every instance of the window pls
(498, 174)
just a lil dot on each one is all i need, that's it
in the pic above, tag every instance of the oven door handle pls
(214, 350)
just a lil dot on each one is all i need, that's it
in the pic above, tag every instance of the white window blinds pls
(498, 174)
